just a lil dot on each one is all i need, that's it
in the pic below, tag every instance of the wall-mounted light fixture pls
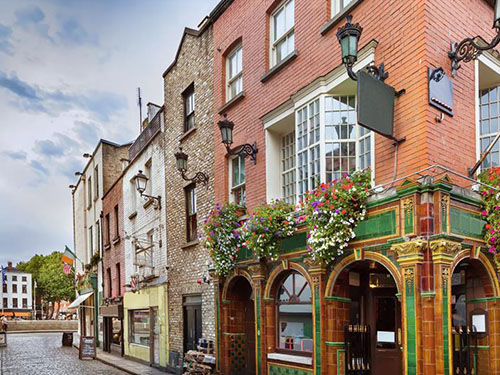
(78, 174)
(226, 129)
(181, 158)
(469, 48)
(141, 182)
(348, 37)
(72, 187)
(87, 155)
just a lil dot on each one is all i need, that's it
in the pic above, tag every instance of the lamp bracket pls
(198, 178)
(157, 199)
(400, 93)
(377, 72)
(244, 151)
(469, 49)
(398, 141)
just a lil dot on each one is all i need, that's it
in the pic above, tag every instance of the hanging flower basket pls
(222, 230)
(263, 231)
(332, 212)
(491, 210)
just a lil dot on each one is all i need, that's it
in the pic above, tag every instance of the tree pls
(53, 285)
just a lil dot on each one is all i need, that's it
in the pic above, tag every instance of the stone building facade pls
(188, 293)
(144, 303)
(102, 170)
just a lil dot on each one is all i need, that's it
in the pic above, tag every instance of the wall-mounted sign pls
(440, 91)
(375, 107)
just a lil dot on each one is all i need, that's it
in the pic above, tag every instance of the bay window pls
(234, 73)
(316, 142)
(488, 129)
(282, 32)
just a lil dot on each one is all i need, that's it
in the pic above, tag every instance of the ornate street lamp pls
(141, 182)
(348, 37)
(469, 48)
(226, 129)
(181, 158)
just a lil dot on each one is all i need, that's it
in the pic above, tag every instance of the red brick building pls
(418, 269)
(113, 262)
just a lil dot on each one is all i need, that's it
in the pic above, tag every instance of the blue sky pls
(69, 70)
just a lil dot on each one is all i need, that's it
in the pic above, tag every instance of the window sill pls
(190, 244)
(291, 358)
(139, 345)
(132, 215)
(107, 246)
(187, 134)
(275, 69)
(340, 15)
(232, 102)
(115, 240)
(148, 203)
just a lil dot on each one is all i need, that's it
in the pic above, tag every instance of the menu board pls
(87, 347)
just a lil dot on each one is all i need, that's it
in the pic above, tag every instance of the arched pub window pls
(295, 320)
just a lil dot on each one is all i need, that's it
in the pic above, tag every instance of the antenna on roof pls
(139, 103)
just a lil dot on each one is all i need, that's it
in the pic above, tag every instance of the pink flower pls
(484, 213)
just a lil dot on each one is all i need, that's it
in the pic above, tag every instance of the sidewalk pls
(127, 365)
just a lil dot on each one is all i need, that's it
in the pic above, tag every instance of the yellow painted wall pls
(144, 299)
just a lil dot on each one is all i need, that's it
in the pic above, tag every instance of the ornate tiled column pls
(258, 273)
(317, 270)
(443, 254)
(410, 259)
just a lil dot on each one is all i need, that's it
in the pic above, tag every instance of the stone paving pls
(43, 354)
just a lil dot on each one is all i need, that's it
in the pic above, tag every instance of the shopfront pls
(145, 324)
(112, 313)
(395, 302)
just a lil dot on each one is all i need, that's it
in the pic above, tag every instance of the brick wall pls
(412, 35)
(113, 244)
(188, 263)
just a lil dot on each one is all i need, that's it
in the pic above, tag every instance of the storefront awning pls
(79, 300)
(16, 314)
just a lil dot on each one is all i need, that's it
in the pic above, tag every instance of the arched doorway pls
(371, 321)
(239, 328)
(471, 336)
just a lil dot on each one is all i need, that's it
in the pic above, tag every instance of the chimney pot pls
(9, 266)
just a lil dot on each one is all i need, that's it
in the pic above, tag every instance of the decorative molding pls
(408, 205)
(411, 252)
(257, 271)
(444, 251)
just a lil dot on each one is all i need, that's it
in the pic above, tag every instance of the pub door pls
(192, 322)
(375, 315)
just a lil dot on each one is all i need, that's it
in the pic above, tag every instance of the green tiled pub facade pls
(395, 302)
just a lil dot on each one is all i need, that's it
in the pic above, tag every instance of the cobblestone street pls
(42, 354)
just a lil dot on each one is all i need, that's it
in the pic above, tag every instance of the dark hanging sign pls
(375, 105)
(87, 348)
(440, 91)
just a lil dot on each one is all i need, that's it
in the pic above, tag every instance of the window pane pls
(290, 15)
(140, 322)
(279, 24)
(242, 169)
(489, 124)
(236, 172)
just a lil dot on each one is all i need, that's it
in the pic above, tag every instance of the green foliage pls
(52, 283)
(222, 236)
(332, 212)
(491, 212)
(269, 223)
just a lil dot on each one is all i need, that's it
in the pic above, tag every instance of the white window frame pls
(148, 171)
(337, 6)
(230, 80)
(322, 144)
(491, 63)
(96, 183)
(291, 171)
(240, 186)
(273, 52)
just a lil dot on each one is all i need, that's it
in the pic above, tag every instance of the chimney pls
(9, 266)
